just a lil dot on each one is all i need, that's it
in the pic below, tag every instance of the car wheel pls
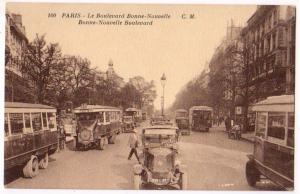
(43, 164)
(183, 181)
(102, 144)
(31, 169)
(75, 143)
(252, 174)
(137, 182)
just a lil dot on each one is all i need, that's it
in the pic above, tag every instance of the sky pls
(180, 48)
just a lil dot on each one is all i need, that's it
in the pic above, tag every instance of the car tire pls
(102, 144)
(183, 181)
(75, 145)
(252, 174)
(31, 169)
(43, 163)
(137, 182)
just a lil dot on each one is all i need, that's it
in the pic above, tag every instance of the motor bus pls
(181, 113)
(200, 118)
(135, 113)
(30, 136)
(67, 119)
(96, 126)
(182, 121)
(273, 155)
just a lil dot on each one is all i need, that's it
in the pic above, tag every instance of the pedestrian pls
(227, 123)
(133, 144)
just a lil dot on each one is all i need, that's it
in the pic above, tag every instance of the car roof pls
(161, 127)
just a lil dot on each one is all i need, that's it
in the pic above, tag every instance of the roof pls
(276, 103)
(95, 108)
(161, 127)
(160, 131)
(181, 110)
(201, 108)
(26, 105)
(132, 109)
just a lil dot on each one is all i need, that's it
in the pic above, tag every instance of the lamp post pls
(163, 81)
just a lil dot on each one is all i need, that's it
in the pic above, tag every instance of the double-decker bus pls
(96, 125)
(30, 136)
(200, 118)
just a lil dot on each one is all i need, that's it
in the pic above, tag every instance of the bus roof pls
(132, 109)
(27, 105)
(181, 110)
(95, 108)
(201, 108)
(285, 103)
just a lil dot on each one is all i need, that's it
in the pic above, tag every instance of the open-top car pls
(128, 124)
(160, 165)
(160, 120)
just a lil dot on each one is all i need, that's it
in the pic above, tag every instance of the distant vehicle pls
(136, 114)
(96, 126)
(160, 164)
(67, 119)
(273, 155)
(30, 136)
(160, 120)
(182, 121)
(181, 113)
(128, 124)
(200, 118)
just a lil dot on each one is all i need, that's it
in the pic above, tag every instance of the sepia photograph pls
(136, 96)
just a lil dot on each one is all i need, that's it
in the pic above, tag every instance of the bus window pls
(44, 117)
(27, 123)
(261, 124)
(100, 117)
(107, 116)
(6, 125)
(51, 120)
(16, 123)
(291, 137)
(36, 121)
(276, 125)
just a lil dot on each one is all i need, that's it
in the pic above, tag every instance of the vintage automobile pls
(160, 120)
(273, 155)
(160, 165)
(183, 125)
(128, 124)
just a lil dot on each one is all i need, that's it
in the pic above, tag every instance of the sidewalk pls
(249, 136)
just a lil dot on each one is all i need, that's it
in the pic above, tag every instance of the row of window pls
(277, 125)
(18, 123)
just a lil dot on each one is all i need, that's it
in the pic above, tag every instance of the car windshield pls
(127, 119)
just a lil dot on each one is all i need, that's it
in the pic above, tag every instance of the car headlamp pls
(137, 169)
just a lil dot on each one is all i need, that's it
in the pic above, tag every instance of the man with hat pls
(133, 144)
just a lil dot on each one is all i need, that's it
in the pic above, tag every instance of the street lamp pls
(163, 81)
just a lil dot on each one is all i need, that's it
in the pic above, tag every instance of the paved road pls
(214, 163)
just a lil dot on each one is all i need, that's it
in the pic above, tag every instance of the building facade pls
(16, 42)
(269, 41)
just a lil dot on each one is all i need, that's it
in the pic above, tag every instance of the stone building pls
(16, 42)
(269, 41)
